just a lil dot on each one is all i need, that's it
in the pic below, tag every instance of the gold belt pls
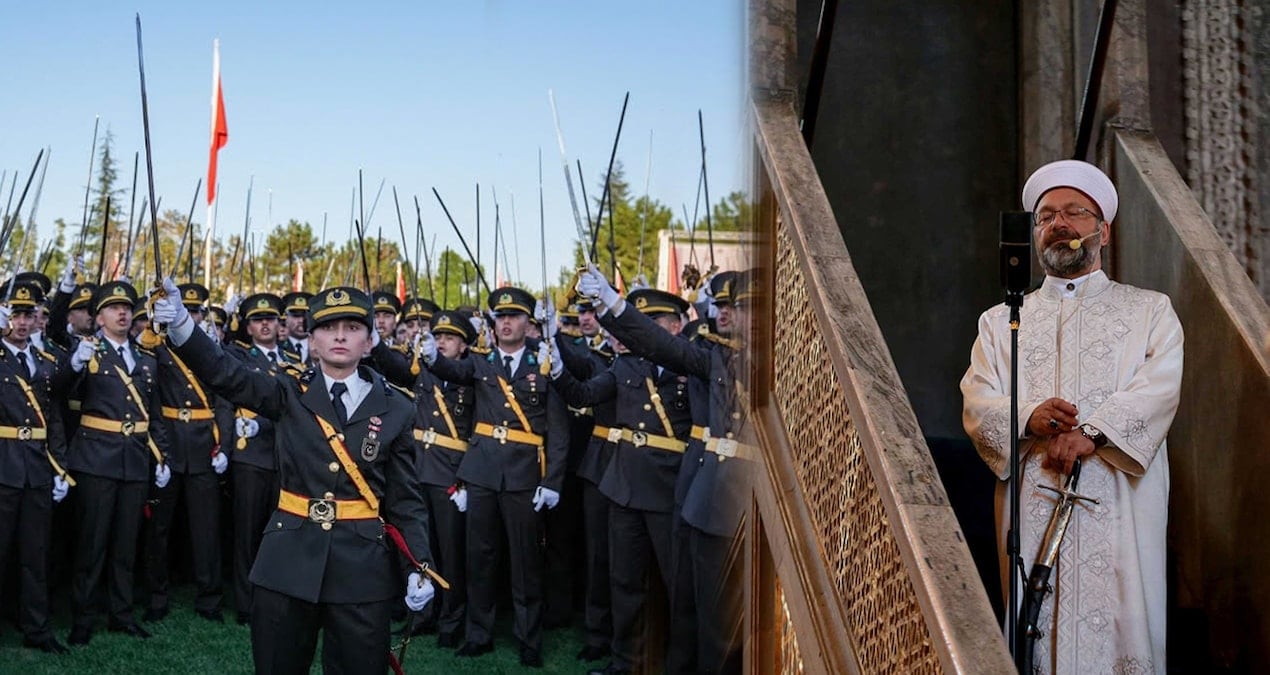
(431, 437)
(503, 434)
(640, 439)
(326, 510)
(700, 433)
(189, 414)
(23, 433)
(127, 428)
(610, 434)
(727, 447)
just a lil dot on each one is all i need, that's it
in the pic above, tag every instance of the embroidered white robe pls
(1115, 351)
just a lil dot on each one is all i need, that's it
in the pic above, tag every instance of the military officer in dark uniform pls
(346, 466)
(120, 439)
(255, 467)
(416, 314)
(443, 426)
(387, 308)
(513, 468)
(296, 305)
(32, 454)
(585, 353)
(713, 502)
(199, 426)
(653, 421)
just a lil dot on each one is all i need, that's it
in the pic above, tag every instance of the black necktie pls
(507, 366)
(26, 368)
(122, 357)
(273, 356)
(337, 399)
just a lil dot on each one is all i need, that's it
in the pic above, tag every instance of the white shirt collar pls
(1070, 288)
(516, 356)
(14, 349)
(357, 389)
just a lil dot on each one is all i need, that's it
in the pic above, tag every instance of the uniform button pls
(729, 434)
(128, 416)
(326, 526)
(127, 398)
(648, 406)
(436, 413)
(279, 526)
(641, 425)
(736, 415)
(329, 495)
(189, 386)
(334, 467)
(188, 404)
(507, 405)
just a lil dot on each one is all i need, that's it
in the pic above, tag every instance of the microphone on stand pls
(1016, 255)
(1016, 275)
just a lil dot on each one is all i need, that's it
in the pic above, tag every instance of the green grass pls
(184, 644)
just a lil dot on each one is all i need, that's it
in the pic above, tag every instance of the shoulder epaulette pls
(404, 349)
(481, 350)
(389, 387)
(720, 340)
(242, 344)
(143, 350)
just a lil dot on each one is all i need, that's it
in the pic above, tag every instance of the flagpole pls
(218, 137)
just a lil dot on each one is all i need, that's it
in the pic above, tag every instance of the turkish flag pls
(220, 131)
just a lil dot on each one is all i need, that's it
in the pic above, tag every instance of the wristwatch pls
(1092, 433)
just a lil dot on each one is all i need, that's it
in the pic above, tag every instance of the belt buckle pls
(615, 435)
(184, 414)
(126, 428)
(725, 448)
(639, 439)
(429, 437)
(500, 433)
(705, 434)
(24, 433)
(322, 510)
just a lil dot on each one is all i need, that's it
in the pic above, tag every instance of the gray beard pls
(1061, 261)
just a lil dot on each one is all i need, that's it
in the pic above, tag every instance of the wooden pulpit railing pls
(856, 562)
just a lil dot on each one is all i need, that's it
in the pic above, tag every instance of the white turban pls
(1075, 174)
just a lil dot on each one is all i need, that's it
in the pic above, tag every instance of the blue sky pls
(421, 94)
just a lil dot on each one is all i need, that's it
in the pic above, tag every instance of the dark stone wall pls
(916, 144)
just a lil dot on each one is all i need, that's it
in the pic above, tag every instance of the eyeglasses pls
(1073, 216)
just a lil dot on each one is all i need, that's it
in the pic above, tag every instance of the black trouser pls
(202, 520)
(28, 512)
(255, 498)
(284, 633)
(562, 526)
(513, 512)
(599, 615)
(449, 555)
(682, 655)
(718, 603)
(637, 539)
(109, 524)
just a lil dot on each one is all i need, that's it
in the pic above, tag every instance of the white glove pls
(548, 318)
(220, 462)
(4, 317)
(246, 427)
(231, 305)
(162, 474)
(592, 283)
(67, 283)
(427, 347)
(83, 354)
(557, 363)
(545, 496)
(170, 311)
(60, 488)
(375, 338)
(418, 591)
(460, 499)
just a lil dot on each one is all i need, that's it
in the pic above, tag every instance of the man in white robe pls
(1100, 371)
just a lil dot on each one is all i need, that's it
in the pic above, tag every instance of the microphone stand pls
(1015, 303)
(1016, 271)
